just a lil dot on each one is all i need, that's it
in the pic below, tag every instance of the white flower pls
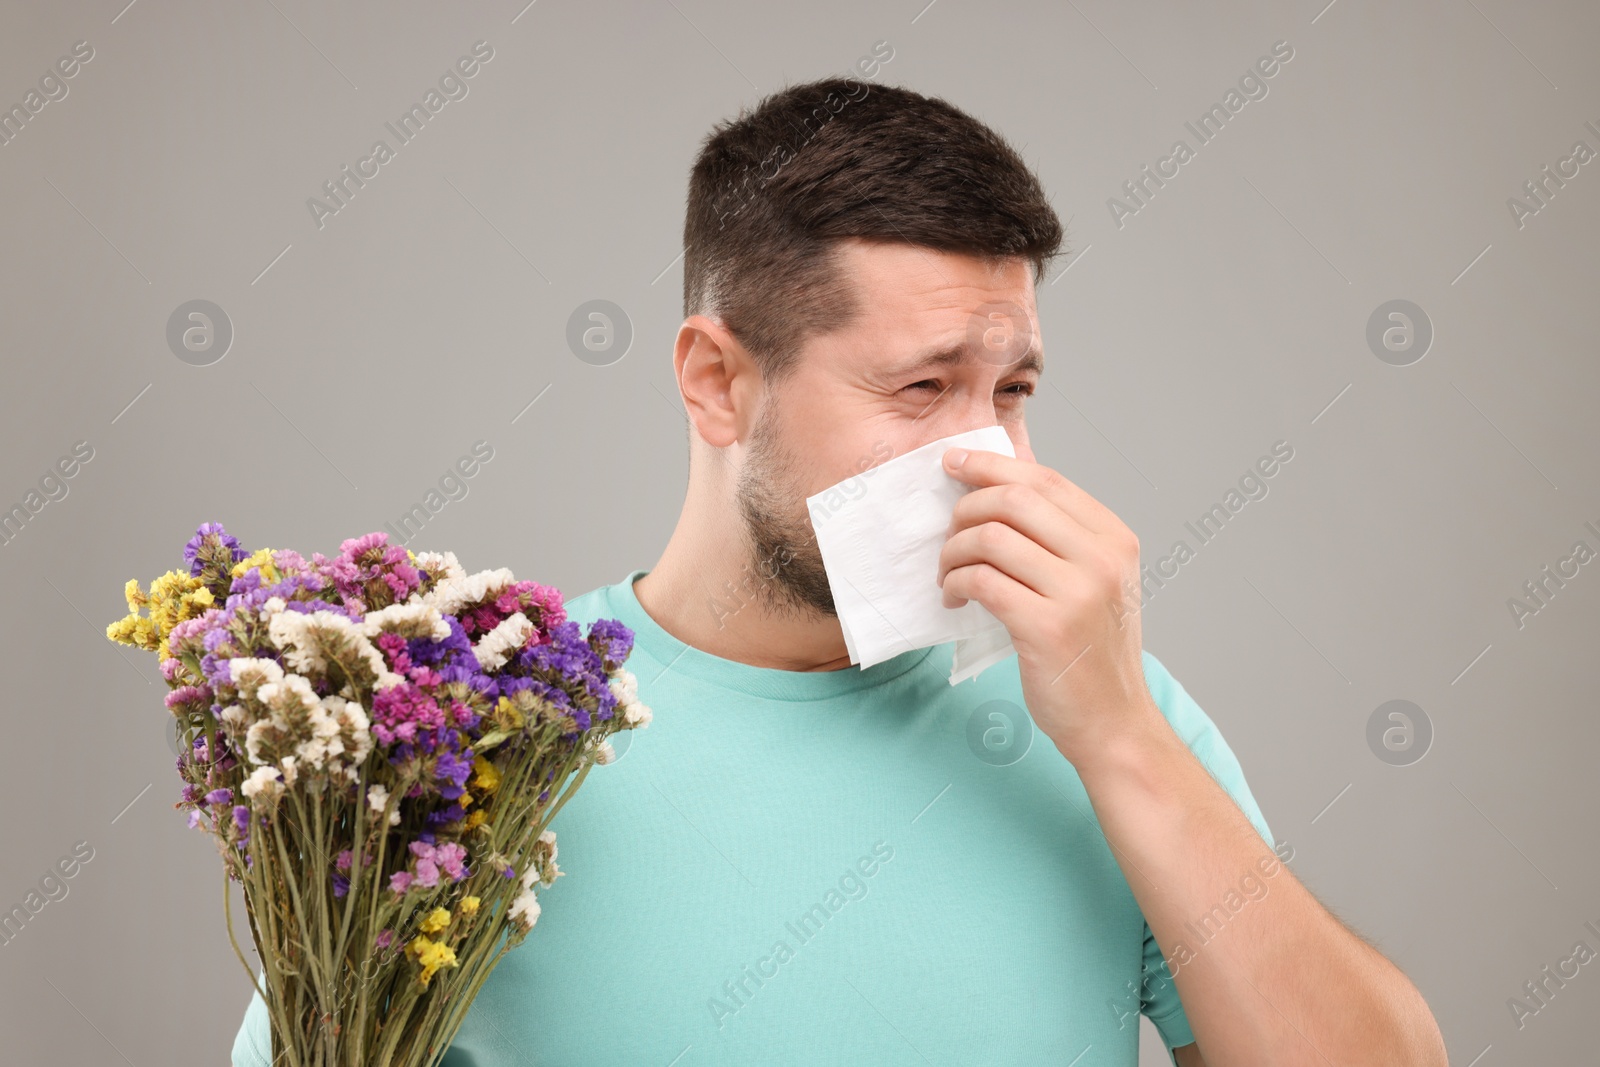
(323, 741)
(409, 620)
(496, 646)
(259, 731)
(542, 869)
(302, 637)
(604, 754)
(290, 772)
(450, 595)
(249, 674)
(524, 910)
(262, 780)
(378, 799)
(272, 607)
(434, 561)
(291, 693)
(625, 687)
(552, 872)
(354, 726)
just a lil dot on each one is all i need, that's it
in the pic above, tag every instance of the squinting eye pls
(1015, 389)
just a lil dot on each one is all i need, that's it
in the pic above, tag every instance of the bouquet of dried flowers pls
(377, 742)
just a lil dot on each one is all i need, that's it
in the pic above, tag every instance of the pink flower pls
(427, 870)
(400, 881)
(451, 856)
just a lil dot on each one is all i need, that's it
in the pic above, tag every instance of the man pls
(804, 862)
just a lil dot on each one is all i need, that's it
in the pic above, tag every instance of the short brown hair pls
(773, 190)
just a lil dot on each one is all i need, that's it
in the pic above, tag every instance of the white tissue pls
(880, 533)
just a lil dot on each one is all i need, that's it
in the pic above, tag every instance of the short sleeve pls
(252, 1046)
(1158, 999)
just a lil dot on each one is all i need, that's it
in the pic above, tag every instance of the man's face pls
(945, 343)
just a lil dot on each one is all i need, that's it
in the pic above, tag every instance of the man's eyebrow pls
(955, 355)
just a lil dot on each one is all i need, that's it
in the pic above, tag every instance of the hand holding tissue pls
(880, 534)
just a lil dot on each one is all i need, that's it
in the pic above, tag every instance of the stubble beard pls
(783, 561)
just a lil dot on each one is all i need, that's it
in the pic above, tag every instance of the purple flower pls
(454, 770)
(341, 884)
(218, 537)
(220, 796)
(444, 816)
(611, 639)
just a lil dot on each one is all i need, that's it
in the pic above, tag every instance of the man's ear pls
(713, 372)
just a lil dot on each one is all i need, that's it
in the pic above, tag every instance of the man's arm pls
(1285, 982)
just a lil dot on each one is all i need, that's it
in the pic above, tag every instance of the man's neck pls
(714, 601)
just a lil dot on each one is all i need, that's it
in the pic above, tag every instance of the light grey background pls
(1229, 313)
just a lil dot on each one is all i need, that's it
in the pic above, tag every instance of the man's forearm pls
(1277, 979)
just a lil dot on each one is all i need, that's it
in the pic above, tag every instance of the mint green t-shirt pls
(850, 866)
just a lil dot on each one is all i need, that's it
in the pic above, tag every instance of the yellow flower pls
(437, 920)
(136, 631)
(134, 595)
(487, 776)
(261, 557)
(469, 906)
(508, 713)
(477, 819)
(173, 598)
(431, 955)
